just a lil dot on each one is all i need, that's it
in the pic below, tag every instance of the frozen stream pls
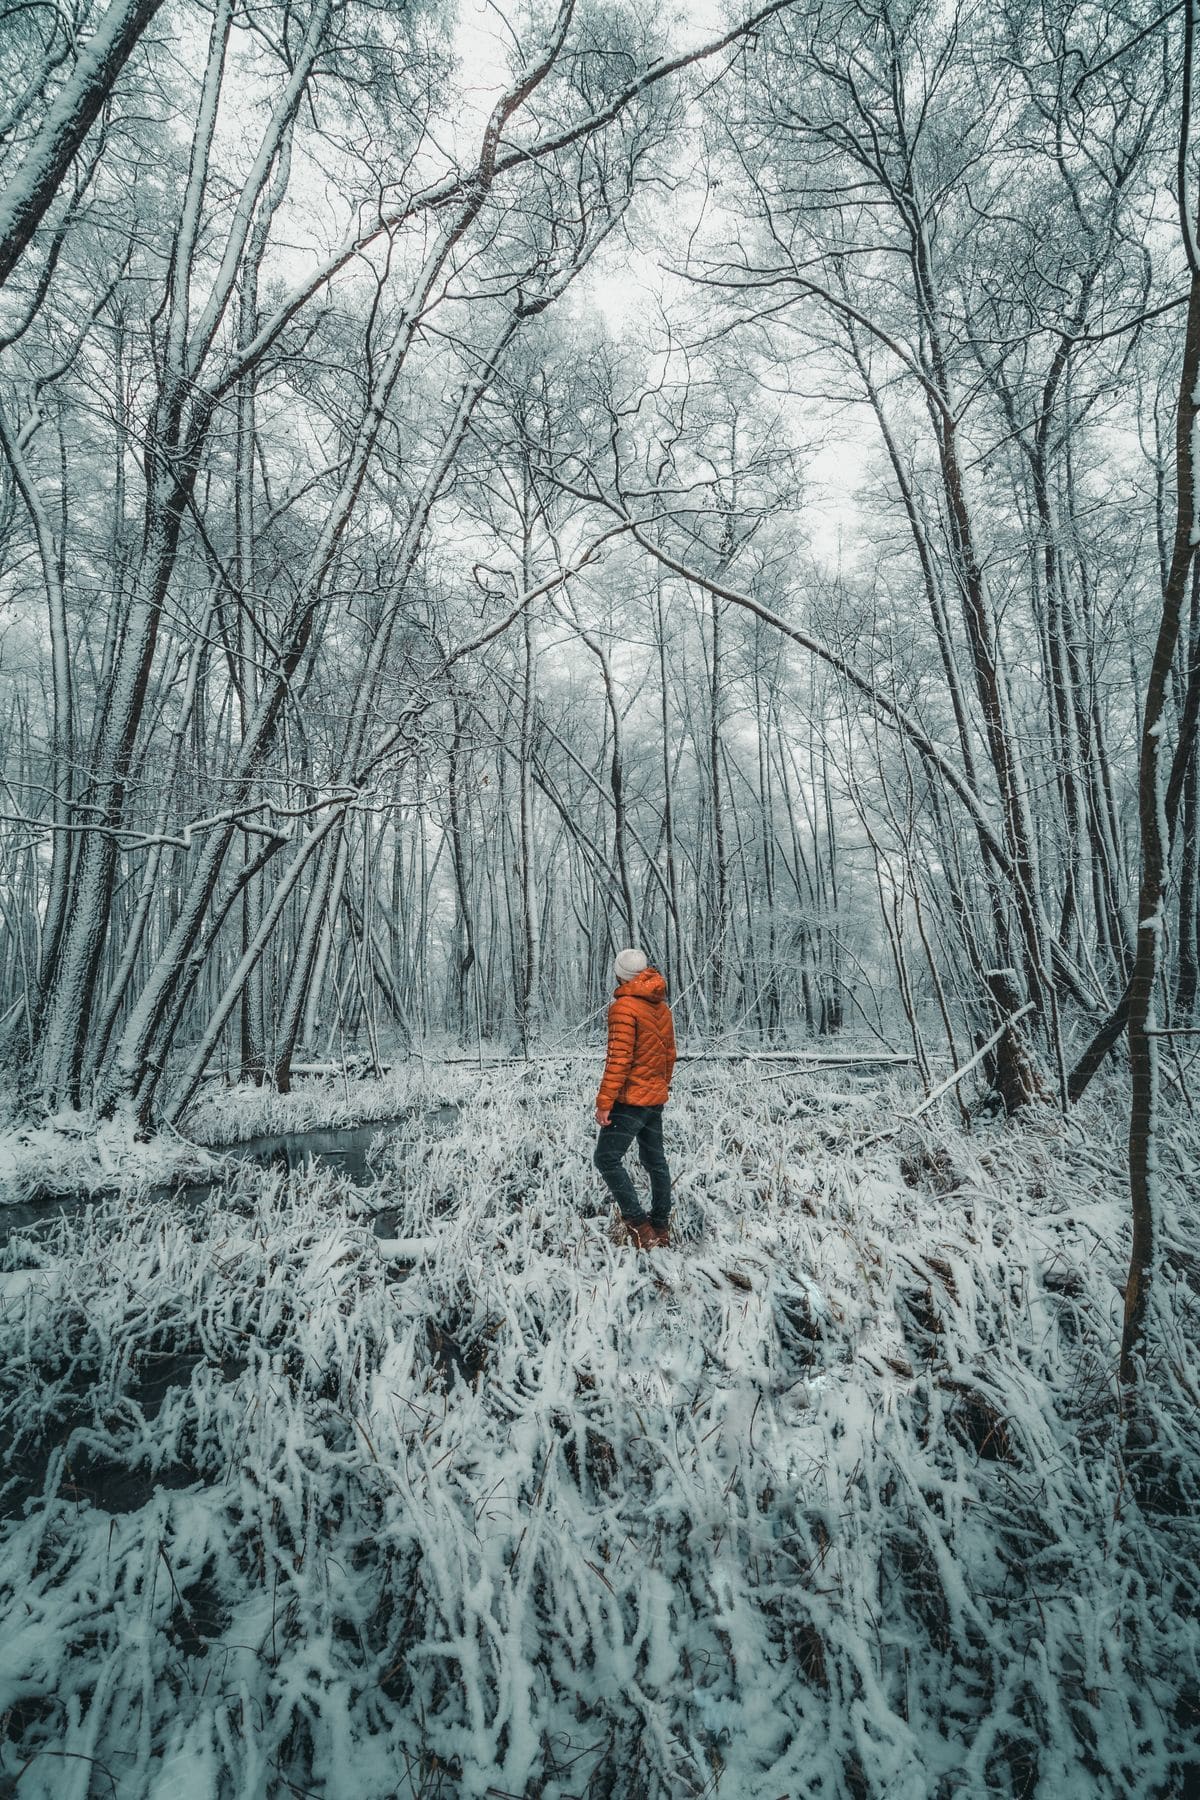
(348, 1150)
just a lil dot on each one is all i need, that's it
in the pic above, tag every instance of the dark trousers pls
(645, 1124)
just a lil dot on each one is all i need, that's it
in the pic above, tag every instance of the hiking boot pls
(662, 1236)
(641, 1234)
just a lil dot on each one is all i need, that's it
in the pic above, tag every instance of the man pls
(633, 1092)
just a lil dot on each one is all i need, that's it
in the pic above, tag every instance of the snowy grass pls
(835, 1506)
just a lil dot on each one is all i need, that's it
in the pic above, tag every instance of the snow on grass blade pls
(826, 1501)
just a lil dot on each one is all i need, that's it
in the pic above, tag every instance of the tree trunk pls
(1155, 842)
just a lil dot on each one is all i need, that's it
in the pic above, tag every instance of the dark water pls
(346, 1150)
(352, 1151)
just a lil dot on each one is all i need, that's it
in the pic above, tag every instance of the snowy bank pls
(75, 1152)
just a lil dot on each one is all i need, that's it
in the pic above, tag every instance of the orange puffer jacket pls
(641, 1044)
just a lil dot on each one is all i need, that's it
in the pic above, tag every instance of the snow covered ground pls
(463, 1499)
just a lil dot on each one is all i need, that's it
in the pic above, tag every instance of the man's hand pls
(604, 1115)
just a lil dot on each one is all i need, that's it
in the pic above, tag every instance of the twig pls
(71, 1755)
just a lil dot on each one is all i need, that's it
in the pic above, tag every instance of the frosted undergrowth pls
(477, 1505)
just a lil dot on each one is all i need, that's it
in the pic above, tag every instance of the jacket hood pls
(648, 985)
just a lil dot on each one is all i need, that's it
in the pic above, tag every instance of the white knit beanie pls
(628, 963)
